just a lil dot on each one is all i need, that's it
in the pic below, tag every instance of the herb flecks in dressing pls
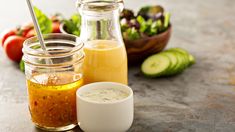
(102, 95)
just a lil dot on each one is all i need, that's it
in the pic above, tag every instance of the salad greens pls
(131, 33)
(44, 22)
(143, 24)
(167, 19)
(21, 65)
(150, 21)
(72, 25)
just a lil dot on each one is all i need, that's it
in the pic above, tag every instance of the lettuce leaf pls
(21, 65)
(167, 16)
(73, 24)
(131, 34)
(44, 22)
(143, 24)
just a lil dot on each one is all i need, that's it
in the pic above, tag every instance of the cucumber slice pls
(180, 50)
(169, 62)
(155, 65)
(184, 53)
(174, 62)
(181, 63)
(190, 57)
(191, 60)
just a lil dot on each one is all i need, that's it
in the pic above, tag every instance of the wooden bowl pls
(138, 50)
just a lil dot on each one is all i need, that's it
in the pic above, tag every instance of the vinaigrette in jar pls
(52, 98)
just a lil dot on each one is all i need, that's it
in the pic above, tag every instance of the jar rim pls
(32, 49)
(98, 5)
(34, 52)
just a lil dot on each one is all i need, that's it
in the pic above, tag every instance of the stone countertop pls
(201, 99)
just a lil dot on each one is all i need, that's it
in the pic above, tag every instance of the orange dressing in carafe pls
(105, 53)
(52, 98)
(105, 60)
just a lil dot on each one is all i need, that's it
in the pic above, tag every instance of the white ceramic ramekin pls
(105, 117)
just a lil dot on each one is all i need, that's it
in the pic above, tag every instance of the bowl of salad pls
(144, 34)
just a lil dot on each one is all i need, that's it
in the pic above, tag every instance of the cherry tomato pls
(26, 28)
(7, 34)
(13, 47)
(54, 18)
(57, 18)
(56, 27)
(30, 33)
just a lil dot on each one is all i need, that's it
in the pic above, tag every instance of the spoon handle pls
(36, 26)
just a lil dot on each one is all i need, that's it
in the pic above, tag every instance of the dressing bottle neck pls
(100, 21)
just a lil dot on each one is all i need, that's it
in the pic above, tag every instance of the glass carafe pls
(105, 53)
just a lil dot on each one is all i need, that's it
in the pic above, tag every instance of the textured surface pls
(202, 99)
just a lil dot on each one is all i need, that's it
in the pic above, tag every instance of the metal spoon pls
(37, 28)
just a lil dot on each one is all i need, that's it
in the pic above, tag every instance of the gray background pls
(202, 99)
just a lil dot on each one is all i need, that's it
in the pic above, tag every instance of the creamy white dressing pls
(102, 95)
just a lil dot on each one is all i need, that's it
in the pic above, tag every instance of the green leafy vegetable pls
(159, 25)
(22, 67)
(76, 18)
(143, 24)
(124, 27)
(149, 30)
(150, 20)
(148, 27)
(44, 22)
(167, 20)
(72, 25)
(153, 29)
(131, 34)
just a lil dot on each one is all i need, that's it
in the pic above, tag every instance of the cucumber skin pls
(192, 60)
(154, 75)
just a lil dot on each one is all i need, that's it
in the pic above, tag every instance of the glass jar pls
(105, 53)
(52, 80)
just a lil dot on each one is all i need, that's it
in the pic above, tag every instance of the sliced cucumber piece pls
(190, 57)
(181, 63)
(174, 62)
(180, 50)
(191, 60)
(155, 65)
(169, 62)
(184, 53)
